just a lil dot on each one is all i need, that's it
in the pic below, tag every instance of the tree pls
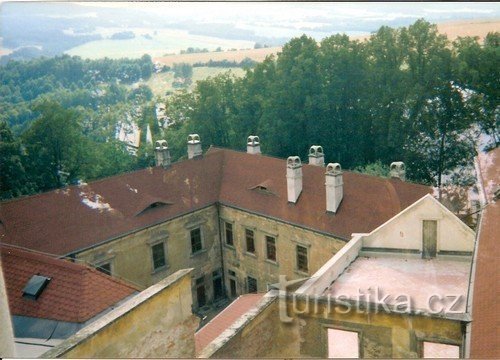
(56, 147)
(14, 181)
(439, 145)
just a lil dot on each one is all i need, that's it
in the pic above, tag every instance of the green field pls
(162, 82)
(158, 43)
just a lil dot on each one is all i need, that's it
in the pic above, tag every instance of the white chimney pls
(293, 178)
(398, 170)
(316, 156)
(253, 145)
(162, 154)
(194, 146)
(334, 187)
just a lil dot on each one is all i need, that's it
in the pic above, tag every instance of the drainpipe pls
(221, 250)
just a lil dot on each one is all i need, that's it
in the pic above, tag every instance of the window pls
(252, 285)
(158, 251)
(436, 350)
(217, 283)
(196, 240)
(250, 241)
(104, 268)
(302, 263)
(343, 344)
(232, 283)
(271, 248)
(35, 286)
(200, 291)
(229, 233)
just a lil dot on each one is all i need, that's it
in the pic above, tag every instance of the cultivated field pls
(452, 29)
(238, 55)
(162, 82)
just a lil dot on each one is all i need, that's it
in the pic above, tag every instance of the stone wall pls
(155, 323)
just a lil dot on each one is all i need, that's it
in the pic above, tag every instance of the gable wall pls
(405, 230)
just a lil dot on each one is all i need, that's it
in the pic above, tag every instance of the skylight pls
(35, 286)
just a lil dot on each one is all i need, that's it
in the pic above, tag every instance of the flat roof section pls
(372, 278)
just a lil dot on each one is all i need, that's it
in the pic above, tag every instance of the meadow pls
(153, 42)
(161, 83)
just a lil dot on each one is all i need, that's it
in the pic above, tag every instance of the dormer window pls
(154, 205)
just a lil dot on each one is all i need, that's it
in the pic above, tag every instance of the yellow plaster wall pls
(156, 323)
(320, 249)
(131, 255)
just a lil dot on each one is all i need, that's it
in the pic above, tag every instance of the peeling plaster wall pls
(262, 336)
(131, 256)
(381, 335)
(156, 323)
(320, 249)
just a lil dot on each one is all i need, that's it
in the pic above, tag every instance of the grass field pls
(157, 43)
(162, 82)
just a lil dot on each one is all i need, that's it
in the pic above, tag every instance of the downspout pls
(221, 250)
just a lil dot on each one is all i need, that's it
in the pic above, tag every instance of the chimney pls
(194, 146)
(334, 187)
(398, 170)
(162, 154)
(316, 156)
(253, 145)
(293, 178)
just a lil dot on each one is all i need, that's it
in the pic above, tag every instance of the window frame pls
(248, 285)
(267, 238)
(247, 232)
(226, 223)
(190, 232)
(165, 265)
(297, 262)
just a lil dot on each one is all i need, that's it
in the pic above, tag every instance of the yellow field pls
(238, 55)
(162, 82)
(452, 29)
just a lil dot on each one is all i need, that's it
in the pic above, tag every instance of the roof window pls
(35, 286)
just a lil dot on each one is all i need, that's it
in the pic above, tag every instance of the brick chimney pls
(316, 156)
(253, 145)
(194, 146)
(334, 187)
(398, 170)
(293, 178)
(162, 154)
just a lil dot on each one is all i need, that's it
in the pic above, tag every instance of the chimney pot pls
(162, 153)
(253, 145)
(316, 155)
(194, 146)
(293, 178)
(334, 187)
(398, 170)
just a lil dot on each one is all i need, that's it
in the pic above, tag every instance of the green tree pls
(13, 180)
(56, 147)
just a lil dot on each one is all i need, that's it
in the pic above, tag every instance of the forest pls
(405, 94)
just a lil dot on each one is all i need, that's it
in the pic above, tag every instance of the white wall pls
(404, 231)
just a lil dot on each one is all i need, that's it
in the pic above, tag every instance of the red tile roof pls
(485, 314)
(225, 319)
(61, 221)
(75, 292)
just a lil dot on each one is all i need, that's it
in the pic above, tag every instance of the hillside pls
(452, 29)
